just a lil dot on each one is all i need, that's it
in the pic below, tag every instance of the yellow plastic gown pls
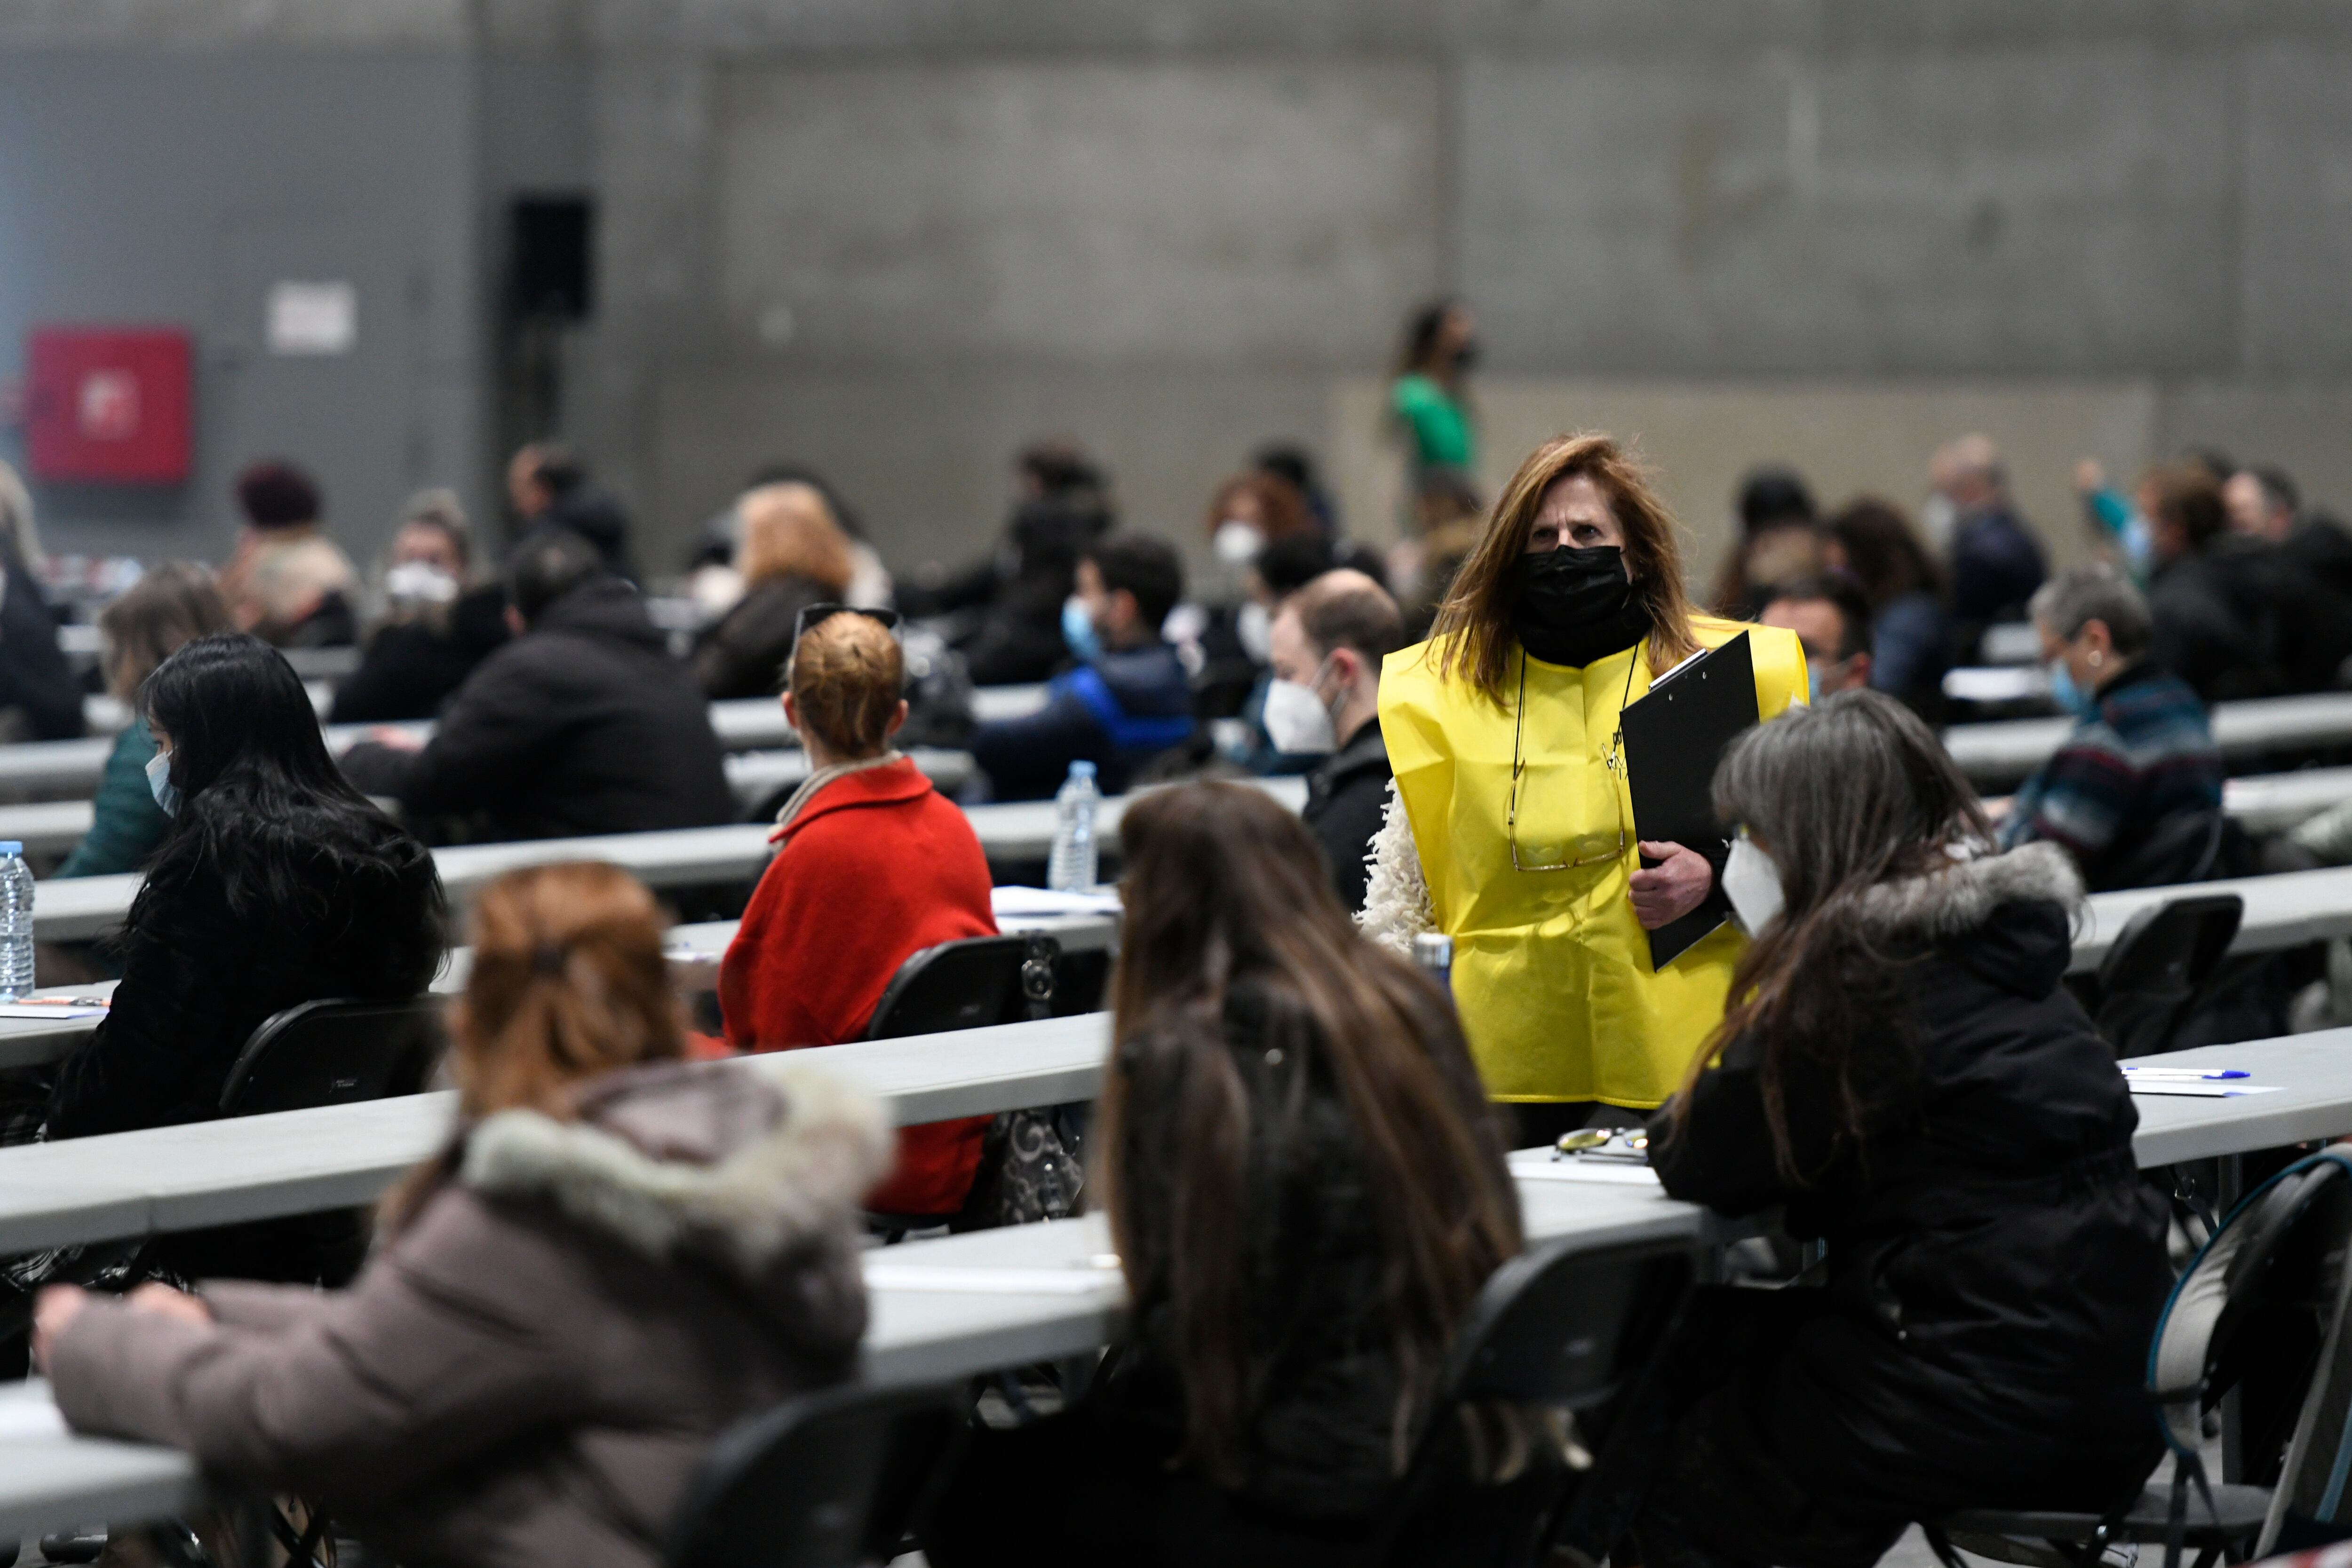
(1551, 970)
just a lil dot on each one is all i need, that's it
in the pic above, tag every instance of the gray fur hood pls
(708, 1160)
(1961, 898)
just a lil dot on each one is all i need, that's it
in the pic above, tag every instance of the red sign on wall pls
(107, 406)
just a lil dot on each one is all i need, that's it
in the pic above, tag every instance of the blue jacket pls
(1118, 712)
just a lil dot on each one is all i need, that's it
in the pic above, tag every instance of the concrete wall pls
(897, 237)
(147, 186)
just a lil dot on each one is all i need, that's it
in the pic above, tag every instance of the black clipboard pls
(1673, 737)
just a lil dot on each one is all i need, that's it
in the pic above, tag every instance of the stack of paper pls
(2196, 1083)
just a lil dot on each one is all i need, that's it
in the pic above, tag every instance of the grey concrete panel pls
(172, 188)
(2297, 222)
(2300, 425)
(1232, 213)
(2062, 210)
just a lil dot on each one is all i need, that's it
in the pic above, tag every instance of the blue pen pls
(2188, 1074)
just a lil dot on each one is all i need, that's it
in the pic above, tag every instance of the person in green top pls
(172, 604)
(1429, 398)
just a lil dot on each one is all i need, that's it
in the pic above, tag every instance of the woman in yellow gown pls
(1516, 834)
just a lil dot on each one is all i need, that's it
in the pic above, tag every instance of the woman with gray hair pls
(1902, 1070)
(2135, 793)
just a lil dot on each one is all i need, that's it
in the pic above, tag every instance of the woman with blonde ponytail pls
(618, 1254)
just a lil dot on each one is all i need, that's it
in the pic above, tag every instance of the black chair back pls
(2160, 966)
(334, 1052)
(969, 984)
(828, 1480)
(1559, 1330)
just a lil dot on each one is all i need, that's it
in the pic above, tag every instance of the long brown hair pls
(1472, 638)
(170, 604)
(1224, 886)
(1844, 797)
(568, 983)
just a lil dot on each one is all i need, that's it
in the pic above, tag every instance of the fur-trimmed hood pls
(1961, 898)
(702, 1160)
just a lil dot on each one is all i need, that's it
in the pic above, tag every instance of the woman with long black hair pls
(277, 883)
(1306, 1190)
(1902, 1070)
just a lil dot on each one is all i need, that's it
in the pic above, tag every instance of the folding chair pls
(334, 1052)
(2160, 966)
(2276, 1266)
(969, 984)
(827, 1480)
(1557, 1333)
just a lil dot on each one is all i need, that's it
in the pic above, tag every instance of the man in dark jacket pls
(1127, 700)
(2309, 561)
(1996, 561)
(584, 724)
(2215, 597)
(1009, 605)
(39, 699)
(1329, 640)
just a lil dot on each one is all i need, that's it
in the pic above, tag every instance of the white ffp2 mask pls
(1752, 883)
(1297, 722)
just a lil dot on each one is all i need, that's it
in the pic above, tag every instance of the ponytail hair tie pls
(551, 958)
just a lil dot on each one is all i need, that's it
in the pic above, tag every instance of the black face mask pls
(1466, 357)
(1573, 606)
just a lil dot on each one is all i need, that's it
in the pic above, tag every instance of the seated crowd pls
(648, 1220)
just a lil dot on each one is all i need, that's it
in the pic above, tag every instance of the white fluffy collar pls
(798, 1181)
(1962, 896)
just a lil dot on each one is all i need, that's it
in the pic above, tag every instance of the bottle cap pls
(11, 846)
(1434, 950)
(1082, 769)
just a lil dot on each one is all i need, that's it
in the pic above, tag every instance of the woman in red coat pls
(872, 867)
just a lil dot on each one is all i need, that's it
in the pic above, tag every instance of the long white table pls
(80, 908)
(55, 827)
(694, 950)
(2006, 750)
(2281, 912)
(60, 767)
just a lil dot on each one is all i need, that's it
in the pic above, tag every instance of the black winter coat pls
(743, 654)
(584, 725)
(1995, 1263)
(35, 679)
(1316, 1281)
(411, 668)
(201, 968)
(1347, 800)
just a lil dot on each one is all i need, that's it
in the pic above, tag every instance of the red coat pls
(874, 869)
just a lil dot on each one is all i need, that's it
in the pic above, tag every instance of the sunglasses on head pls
(814, 615)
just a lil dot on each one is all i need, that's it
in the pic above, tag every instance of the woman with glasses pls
(1516, 833)
(872, 866)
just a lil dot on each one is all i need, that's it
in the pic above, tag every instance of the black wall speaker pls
(554, 236)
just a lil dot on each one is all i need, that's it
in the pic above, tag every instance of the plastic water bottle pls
(1434, 952)
(15, 922)
(1072, 868)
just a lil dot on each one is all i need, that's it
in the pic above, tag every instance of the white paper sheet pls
(1611, 1173)
(2205, 1089)
(53, 1012)
(1078, 1281)
(1042, 901)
